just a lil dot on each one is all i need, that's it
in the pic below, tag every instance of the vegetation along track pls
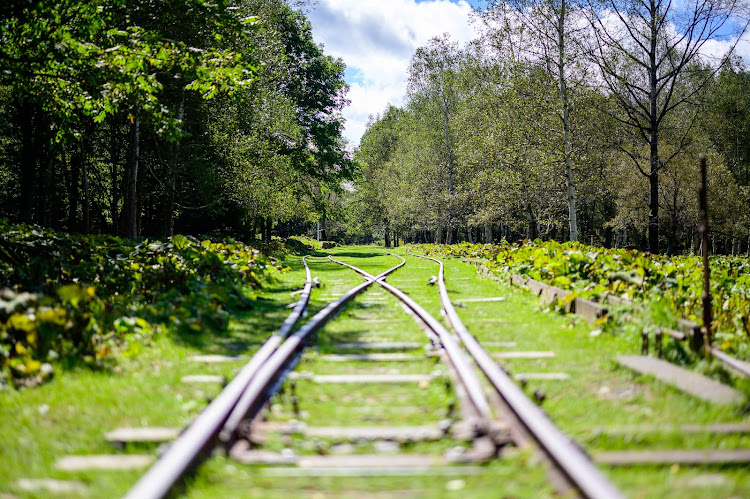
(371, 411)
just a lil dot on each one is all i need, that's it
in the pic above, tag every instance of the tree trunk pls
(439, 234)
(323, 234)
(76, 160)
(567, 140)
(469, 235)
(85, 186)
(46, 193)
(653, 177)
(28, 160)
(132, 179)
(449, 154)
(269, 226)
(114, 158)
(531, 231)
(487, 233)
(169, 204)
(387, 236)
(653, 213)
(174, 164)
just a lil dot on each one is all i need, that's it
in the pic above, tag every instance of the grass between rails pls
(597, 394)
(376, 317)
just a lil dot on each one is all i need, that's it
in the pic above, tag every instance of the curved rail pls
(200, 436)
(252, 399)
(452, 348)
(569, 459)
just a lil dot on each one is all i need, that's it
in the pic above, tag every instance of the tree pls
(728, 119)
(71, 62)
(377, 149)
(644, 49)
(433, 94)
(554, 27)
(280, 137)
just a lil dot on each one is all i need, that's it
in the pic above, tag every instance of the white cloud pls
(715, 50)
(376, 39)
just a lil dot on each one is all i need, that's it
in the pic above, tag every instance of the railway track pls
(484, 414)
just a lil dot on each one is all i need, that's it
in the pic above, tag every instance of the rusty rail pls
(201, 436)
(455, 354)
(564, 454)
(282, 360)
(198, 439)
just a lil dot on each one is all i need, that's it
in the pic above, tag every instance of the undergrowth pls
(676, 282)
(77, 299)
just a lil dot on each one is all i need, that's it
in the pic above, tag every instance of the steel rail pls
(566, 456)
(200, 436)
(252, 399)
(455, 353)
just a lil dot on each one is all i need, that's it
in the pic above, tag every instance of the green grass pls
(71, 414)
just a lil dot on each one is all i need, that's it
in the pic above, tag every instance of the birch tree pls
(432, 90)
(551, 29)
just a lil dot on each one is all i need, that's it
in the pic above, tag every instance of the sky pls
(376, 39)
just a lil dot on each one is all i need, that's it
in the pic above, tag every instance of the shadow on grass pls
(247, 329)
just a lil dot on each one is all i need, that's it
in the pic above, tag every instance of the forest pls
(147, 118)
(567, 121)
(561, 121)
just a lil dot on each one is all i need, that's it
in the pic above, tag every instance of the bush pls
(80, 298)
(594, 272)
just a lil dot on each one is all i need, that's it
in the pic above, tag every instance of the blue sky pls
(376, 39)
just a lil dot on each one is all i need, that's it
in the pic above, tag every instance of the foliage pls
(137, 117)
(280, 138)
(301, 245)
(82, 297)
(594, 272)
(96, 56)
(521, 134)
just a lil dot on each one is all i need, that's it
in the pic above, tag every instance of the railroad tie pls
(123, 436)
(370, 357)
(204, 379)
(363, 378)
(218, 359)
(686, 381)
(51, 485)
(668, 457)
(523, 355)
(104, 462)
(693, 429)
(385, 345)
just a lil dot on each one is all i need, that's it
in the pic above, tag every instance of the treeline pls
(145, 118)
(565, 121)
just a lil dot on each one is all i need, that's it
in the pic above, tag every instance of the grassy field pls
(71, 414)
